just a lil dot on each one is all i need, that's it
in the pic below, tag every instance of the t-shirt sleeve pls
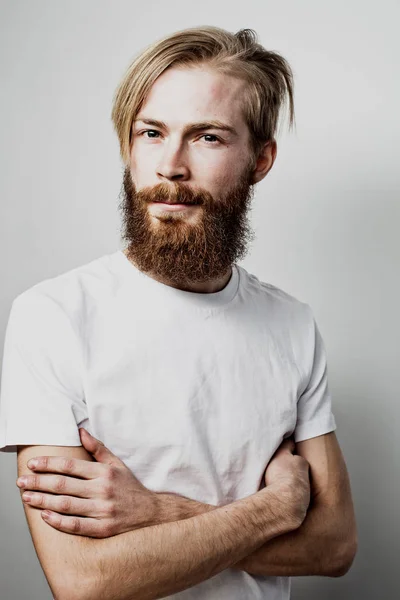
(314, 406)
(41, 398)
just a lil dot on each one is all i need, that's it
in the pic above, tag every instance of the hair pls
(267, 75)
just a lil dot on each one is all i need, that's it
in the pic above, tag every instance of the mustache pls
(174, 193)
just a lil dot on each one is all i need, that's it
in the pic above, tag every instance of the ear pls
(265, 160)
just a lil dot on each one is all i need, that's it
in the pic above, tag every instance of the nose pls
(173, 164)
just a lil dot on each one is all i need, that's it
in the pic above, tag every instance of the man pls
(213, 457)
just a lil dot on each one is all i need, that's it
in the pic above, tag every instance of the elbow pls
(344, 559)
(73, 587)
(66, 593)
(73, 594)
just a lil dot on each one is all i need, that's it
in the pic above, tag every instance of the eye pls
(150, 131)
(213, 142)
(210, 135)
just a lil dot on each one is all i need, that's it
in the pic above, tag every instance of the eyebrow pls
(192, 127)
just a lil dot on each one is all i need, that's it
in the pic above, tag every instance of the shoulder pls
(281, 307)
(73, 293)
(290, 320)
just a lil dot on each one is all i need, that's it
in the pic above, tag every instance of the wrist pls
(174, 507)
(280, 503)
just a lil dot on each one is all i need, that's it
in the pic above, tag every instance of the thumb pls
(97, 448)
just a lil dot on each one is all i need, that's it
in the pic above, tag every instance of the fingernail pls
(46, 514)
(21, 482)
(33, 463)
(26, 496)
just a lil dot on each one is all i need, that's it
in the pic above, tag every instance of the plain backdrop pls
(327, 217)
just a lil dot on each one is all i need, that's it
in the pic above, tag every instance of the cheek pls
(140, 167)
(230, 166)
(226, 175)
(132, 161)
(219, 173)
(137, 158)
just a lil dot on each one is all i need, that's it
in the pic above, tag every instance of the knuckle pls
(75, 525)
(59, 484)
(107, 491)
(39, 499)
(33, 481)
(109, 510)
(67, 465)
(64, 503)
(111, 473)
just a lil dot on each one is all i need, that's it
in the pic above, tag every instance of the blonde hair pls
(268, 77)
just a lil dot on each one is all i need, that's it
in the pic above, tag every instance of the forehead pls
(181, 95)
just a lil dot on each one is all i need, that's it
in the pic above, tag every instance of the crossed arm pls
(325, 544)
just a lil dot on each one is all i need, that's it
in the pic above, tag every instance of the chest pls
(189, 395)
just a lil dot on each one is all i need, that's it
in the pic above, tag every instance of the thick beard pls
(184, 250)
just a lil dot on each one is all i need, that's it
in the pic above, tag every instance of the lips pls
(174, 203)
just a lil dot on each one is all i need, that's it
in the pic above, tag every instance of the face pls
(188, 188)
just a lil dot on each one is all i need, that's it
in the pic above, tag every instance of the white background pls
(327, 217)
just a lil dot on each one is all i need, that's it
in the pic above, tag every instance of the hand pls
(289, 474)
(109, 498)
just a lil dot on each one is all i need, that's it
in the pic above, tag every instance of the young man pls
(193, 375)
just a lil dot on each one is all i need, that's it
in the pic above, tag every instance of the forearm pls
(164, 559)
(175, 507)
(312, 549)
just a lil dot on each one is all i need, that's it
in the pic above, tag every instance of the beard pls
(189, 246)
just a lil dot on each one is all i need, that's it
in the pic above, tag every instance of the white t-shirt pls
(194, 392)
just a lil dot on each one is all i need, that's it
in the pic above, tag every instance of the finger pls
(76, 525)
(57, 484)
(68, 505)
(98, 449)
(75, 467)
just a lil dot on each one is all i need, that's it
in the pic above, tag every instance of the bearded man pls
(171, 411)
